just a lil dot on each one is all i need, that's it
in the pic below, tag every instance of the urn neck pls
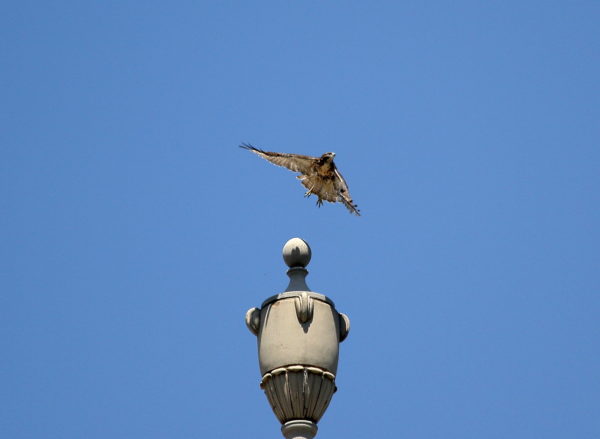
(297, 277)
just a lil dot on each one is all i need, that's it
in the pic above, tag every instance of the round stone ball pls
(296, 253)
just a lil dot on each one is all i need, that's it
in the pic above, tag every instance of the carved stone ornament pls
(304, 307)
(298, 392)
(253, 320)
(298, 333)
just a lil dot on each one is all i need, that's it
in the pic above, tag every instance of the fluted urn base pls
(298, 392)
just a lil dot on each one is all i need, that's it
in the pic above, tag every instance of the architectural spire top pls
(296, 254)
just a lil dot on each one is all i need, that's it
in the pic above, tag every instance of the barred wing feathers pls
(294, 162)
(344, 193)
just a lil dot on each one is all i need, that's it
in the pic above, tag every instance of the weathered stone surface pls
(287, 336)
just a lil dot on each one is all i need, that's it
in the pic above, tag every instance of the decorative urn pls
(298, 334)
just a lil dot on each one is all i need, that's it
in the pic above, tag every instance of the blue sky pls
(135, 233)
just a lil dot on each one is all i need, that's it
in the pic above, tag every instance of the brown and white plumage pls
(318, 174)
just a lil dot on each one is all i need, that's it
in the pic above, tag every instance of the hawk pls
(318, 174)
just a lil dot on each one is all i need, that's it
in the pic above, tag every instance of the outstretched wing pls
(344, 193)
(294, 162)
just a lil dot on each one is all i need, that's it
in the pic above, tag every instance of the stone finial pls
(296, 254)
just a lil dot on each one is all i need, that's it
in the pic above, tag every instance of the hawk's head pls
(328, 156)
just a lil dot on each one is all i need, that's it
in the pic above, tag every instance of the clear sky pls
(135, 233)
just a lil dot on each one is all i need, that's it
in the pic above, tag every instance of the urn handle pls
(253, 320)
(344, 326)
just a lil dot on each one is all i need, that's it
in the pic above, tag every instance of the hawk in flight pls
(318, 174)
